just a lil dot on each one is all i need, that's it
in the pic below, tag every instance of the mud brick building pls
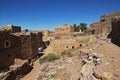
(67, 43)
(28, 44)
(115, 34)
(104, 26)
(7, 49)
(11, 28)
(15, 44)
(61, 45)
(59, 31)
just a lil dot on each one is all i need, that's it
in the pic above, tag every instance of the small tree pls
(76, 28)
(26, 30)
(83, 26)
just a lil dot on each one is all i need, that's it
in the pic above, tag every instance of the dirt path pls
(33, 73)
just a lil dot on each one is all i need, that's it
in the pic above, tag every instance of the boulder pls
(107, 76)
(98, 73)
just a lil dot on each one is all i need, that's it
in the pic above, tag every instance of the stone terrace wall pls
(67, 43)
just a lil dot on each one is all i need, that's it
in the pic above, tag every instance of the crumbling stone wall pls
(7, 49)
(64, 29)
(36, 42)
(115, 34)
(106, 21)
(67, 43)
(97, 27)
(59, 31)
(23, 45)
(11, 28)
(46, 33)
(61, 45)
(104, 26)
(28, 44)
(23, 49)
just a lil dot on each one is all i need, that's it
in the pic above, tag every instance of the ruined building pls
(104, 26)
(7, 49)
(11, 28)
(28, 44)
(68, 43)
(59, 31)
(115, 33)
(17, 44)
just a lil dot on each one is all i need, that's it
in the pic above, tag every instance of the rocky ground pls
(98, 61)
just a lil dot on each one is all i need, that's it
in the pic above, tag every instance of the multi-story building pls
(15, 44)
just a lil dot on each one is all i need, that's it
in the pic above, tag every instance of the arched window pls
(7, 44)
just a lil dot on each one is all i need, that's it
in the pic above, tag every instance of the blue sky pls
(46, 14)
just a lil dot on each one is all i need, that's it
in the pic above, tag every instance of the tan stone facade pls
(104, 26)
(97, 27)
(68, 43)
(61, 45)
(59, 31)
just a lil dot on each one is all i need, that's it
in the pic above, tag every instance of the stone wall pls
(61, 45)
(11, 28)
(22, 45)
(115, 34)
(104, 26)
(28, 44)
(36, 42)
(106, 21)
(7, 49)
(59, 31)
(67, 43)
(97, 27)
(18, 73)
(64, 29)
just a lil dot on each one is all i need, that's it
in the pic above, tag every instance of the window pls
(80, 45)
(73, 47)
(7, 44)
(66, 46)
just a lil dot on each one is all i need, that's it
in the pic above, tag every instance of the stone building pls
(104, 26)
(28, 44)
(67, 43)
(115, 33)
(61, 45)
(11, 28)
(22, 45)
(7, 49)
(97, 27)
(106, 21)
(59, 31)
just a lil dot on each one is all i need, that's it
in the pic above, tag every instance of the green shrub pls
(66, 53)
(48, 58)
